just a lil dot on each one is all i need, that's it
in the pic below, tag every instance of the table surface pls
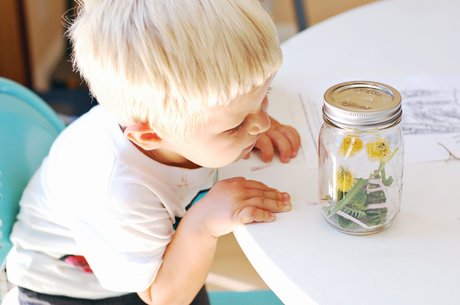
(417, 259)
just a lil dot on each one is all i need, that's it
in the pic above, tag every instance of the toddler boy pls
(182, 87)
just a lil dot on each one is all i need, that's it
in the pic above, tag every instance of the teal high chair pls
(256, 297)
(28, 127)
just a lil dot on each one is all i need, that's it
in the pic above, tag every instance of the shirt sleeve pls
(124, 240)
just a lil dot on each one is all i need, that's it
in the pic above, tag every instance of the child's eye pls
(269, 89)
(237, 128)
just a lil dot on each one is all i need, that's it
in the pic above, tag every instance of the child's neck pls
(167, 157)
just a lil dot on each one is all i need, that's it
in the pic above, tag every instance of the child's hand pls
(284, 137)
(235, 202)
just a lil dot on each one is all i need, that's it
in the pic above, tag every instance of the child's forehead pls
(254, 93)
(235, 112)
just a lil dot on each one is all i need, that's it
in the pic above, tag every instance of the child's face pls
(229, 134)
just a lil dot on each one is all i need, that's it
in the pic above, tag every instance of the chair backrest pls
(256, 297)
(302, 21)
(28, 127)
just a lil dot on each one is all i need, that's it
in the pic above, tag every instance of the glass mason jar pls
(361, 157)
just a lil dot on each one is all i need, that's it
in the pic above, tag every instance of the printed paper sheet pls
(431, 115)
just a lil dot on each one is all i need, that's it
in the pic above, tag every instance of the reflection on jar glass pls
(361, 157)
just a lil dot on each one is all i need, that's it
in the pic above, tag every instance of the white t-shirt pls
(98, 196)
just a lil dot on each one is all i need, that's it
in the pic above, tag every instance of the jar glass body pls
(360, 177)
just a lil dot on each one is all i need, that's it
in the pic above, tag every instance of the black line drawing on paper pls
(456, 138)
(312, 133)
(430, 111)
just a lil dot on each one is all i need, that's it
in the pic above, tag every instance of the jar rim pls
(362, 104)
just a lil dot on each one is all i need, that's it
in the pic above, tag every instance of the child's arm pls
(229, 204)
(284, 137)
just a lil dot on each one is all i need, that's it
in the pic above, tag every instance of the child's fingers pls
(235, 179)
(282, 142)
(269, 200)
(293, 137)
(275, 205)
(252, 214)
(268, 194)
(252, 184)
(264, 143)
(257, 194)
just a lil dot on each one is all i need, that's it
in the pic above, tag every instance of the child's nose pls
(261, 121)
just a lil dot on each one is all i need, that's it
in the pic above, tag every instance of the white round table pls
(417, 259)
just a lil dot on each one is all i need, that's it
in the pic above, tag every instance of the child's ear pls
(142, 135)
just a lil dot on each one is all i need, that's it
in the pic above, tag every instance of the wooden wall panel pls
(32, 40)
(319, 10)
(14, 61)
(316, 10)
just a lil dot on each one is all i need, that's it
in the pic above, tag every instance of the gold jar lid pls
(362, 104)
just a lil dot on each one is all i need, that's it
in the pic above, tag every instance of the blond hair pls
(169, 62)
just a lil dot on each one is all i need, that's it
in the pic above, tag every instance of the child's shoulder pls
(89, 135)
(96, 119)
